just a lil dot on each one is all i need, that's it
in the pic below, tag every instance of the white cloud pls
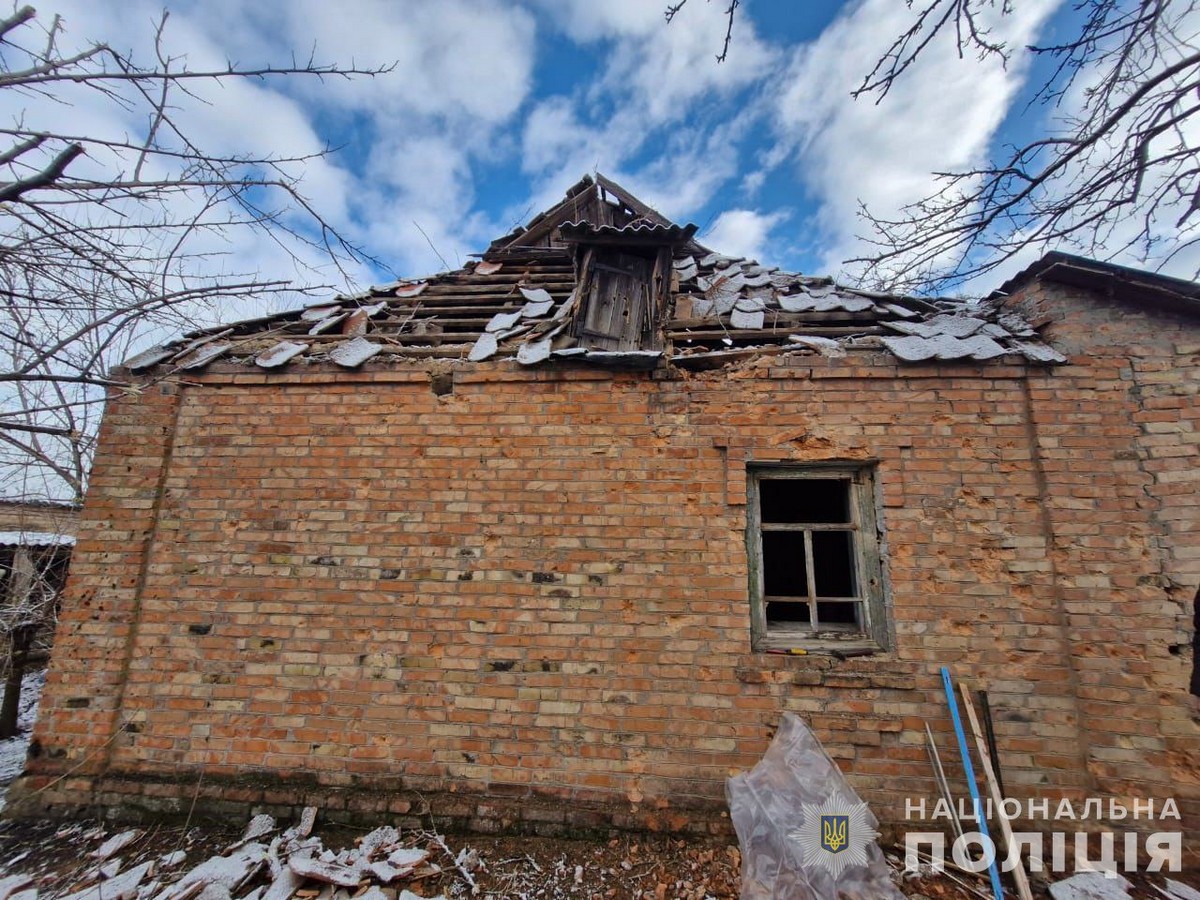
(655, 117)
(940, 115)
(463, 69)
(743, 232)
(663, 70)
(454, 59)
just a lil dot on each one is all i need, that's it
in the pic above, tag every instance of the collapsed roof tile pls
(902, 311)
(945, 347)
(954, 325)
(724, 290)
(1039, 353)
(823, 345)
(911, 348)
(356, 322)
(567, 305)
(317, 313)
(977, 346)
(203, 355)
(326, 323)
(752, 320)
(688, 271)
(824, 301)
(1014, 324)
(533, 352)
(484, 348)
(408, 289)
(503, 321)
(148, 358)
(536, 295)
(354, 353)
(512, 332)
(537, 309)
(279, 354)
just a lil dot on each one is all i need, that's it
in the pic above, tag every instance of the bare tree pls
(105, 240)
(1117, 171)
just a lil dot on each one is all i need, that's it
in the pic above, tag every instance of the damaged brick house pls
(553, 539)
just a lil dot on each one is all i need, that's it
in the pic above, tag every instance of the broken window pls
(815, 575)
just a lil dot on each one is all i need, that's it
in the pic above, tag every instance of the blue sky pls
(496, 108)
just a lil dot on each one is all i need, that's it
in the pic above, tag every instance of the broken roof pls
(521, 300)
(1136, 286)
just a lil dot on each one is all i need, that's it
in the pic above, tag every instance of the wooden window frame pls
(872, 634)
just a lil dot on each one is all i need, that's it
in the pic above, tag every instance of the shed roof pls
(35, 539)
(1122, 283)
(520, 299)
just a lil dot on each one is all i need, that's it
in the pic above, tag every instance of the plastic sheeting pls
(779, 809)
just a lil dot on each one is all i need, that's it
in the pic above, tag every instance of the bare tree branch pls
(35, 429)
(1116, 172)
(673, 9)
(100, 260)
(20, 17)
(928, 24)
(48, 176)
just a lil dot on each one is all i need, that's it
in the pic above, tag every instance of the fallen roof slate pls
(353, 353)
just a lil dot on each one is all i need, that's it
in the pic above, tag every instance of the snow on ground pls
(12, 751)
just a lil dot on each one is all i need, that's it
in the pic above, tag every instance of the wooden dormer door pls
(619, 302)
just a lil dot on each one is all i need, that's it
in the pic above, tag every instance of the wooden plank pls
(779, 334)
(774, 317)
(563, 283)
(1014, 849)
(465, 298)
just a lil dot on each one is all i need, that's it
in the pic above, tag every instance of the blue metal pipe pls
(993, 869)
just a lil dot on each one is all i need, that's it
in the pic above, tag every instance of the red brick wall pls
(101, 605)
(535, 586)
(1119, 435)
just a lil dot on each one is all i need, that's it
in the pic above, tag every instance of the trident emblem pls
(834, 833)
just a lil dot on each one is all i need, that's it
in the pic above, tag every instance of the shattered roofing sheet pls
(523, 306)
(726, 304)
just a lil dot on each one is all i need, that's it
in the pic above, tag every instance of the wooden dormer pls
(623, 277)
